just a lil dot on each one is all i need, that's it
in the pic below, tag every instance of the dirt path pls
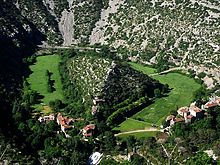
(166, 71)
(136, 131)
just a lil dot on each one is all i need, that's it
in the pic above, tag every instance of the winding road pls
(167, 71)
(136, 131)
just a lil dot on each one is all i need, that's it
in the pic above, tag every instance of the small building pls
(213, 102)
(170, 120)
(94, 109)
(189, 119)
(88, 130)
(178, 120)
(196, 111)
(95, 158)
(48, 118)
(183, 111)
(64, 122)
(96, 100)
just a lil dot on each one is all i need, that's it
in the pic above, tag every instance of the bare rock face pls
(66, 27)
(97, 35)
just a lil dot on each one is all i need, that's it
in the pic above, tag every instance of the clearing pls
(38, 81)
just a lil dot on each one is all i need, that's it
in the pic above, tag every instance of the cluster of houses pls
(66, 122)
(189, 114)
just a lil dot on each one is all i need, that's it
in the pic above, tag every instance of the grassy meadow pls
(38, 80)
(181, 94)
(142, 68)
(132, 124)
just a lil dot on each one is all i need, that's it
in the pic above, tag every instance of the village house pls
(96, 101)
(94, 109)
(88, 130)
(189, 114)
(64, 122)
(178, 120)
(48, 118)
(170, 120)
(213, 102)
(196, 111)
(183, 111)
(189, 119)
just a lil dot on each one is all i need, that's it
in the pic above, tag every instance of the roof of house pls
(89, 127)
(88, 130)
(179, 120)
(183, 109)
(189, 116)
(64, 121)
(196, 109)
(170, 117)
(211, 104)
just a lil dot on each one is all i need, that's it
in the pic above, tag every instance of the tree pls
(199, 158)
(157, 93)
(78, 158)
(130, 141)
(108, 162)
(70, 53)
(109, 141)
(216, 147)
(137, 160)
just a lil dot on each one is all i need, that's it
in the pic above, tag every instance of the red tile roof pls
(183, 109)
(88, 130)
(211, 104)
(64, 121)
(179, 120)
(189, 116)
(170, 117)
(196, 109)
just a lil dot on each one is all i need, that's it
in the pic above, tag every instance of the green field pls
(38, 81)
(142, 68)
(181, 94)
(132, 124)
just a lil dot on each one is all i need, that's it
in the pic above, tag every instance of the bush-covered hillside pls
(89, 73)
(185, 33)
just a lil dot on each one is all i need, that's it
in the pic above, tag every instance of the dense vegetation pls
(24, 24)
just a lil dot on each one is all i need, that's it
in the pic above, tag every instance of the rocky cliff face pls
(61, 21)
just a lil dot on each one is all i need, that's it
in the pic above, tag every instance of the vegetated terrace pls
(181, 94)
(38, 79)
